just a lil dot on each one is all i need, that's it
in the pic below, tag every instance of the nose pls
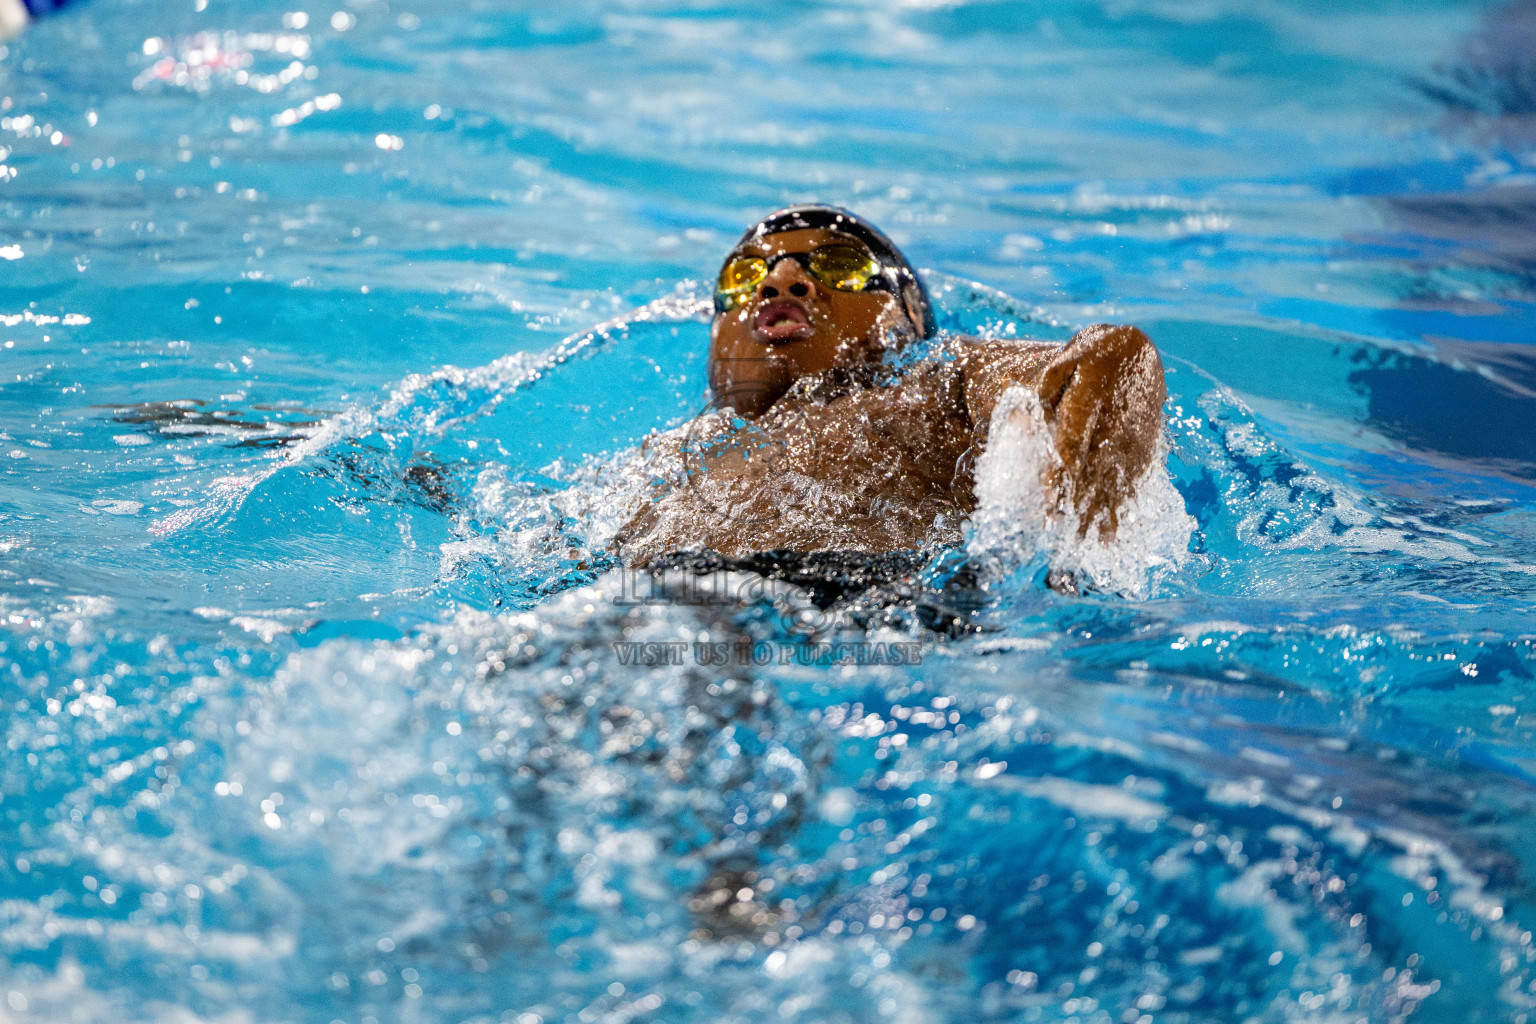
(786, 276)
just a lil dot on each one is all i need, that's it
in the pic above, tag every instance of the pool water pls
(328, 340)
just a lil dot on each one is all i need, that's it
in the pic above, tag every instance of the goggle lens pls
(739, 276)
(843, 267)
(837, 266)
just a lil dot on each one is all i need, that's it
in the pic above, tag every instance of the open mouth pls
(782, 321)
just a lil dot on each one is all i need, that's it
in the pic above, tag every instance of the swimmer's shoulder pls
(960, 358)
(969, 352)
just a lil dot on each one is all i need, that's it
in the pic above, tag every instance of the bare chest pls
(905, 439)
(871, 469)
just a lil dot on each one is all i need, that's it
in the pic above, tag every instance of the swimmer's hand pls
(1102, 395)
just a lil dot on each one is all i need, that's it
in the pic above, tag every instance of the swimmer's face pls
(792, 324)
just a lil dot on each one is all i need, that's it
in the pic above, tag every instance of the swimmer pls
(833, 442)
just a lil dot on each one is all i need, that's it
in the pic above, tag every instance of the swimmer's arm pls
(1102, 394)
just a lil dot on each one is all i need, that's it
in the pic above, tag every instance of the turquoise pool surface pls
(327, 340)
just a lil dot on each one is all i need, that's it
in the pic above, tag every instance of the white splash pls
(1016, 522)
(530, 532)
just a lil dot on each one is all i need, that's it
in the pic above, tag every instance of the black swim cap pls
(898, 272)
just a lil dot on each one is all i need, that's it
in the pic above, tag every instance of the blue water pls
(320, 358)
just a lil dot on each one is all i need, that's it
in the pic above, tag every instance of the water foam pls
(1017, 522)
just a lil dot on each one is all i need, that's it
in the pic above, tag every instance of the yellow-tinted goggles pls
(844, 267)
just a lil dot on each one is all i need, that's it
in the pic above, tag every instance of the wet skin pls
(881, 460)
